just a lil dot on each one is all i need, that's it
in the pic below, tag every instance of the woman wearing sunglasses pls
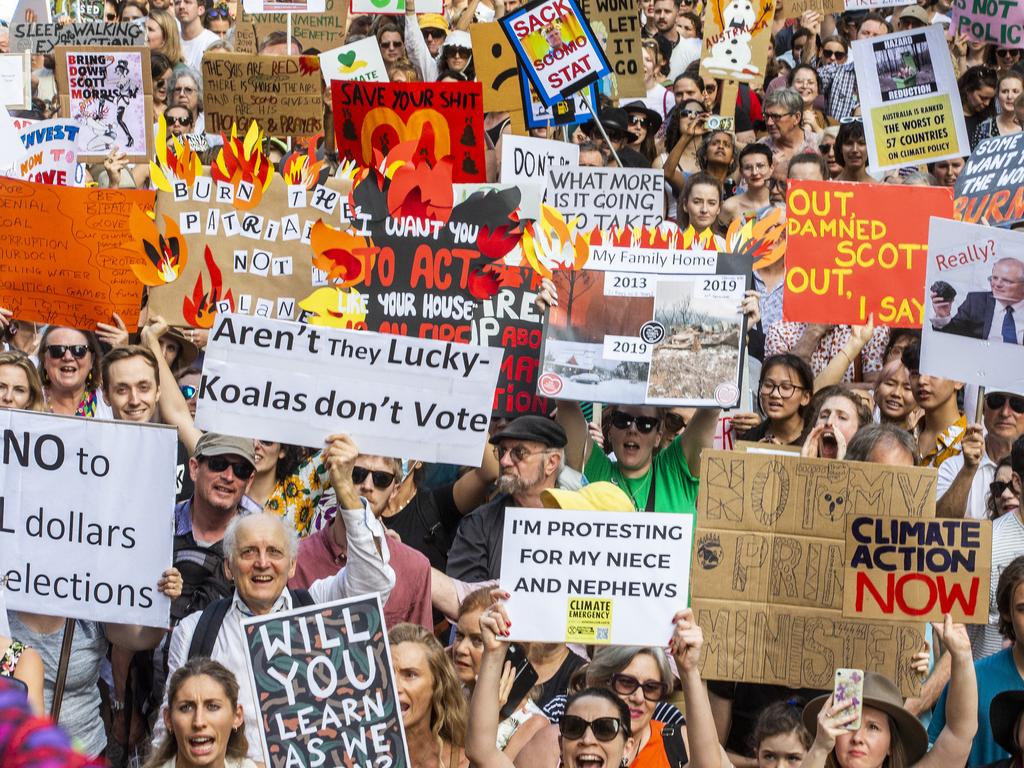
(1003, 496)
(69, 367)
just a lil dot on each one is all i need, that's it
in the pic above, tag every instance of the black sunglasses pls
(644, 424)
(430, 34)
(1008, 52)
(997, 400)
(603, 728)
(625, 685)
(381, 479)
(830, 54)
(57, 351)
(825, 148)
(182, 121)
(243, 470)
(189, 391)
(998, 487)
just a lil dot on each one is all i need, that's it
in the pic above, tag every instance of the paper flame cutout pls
(182, 163)
(303, 169)
(242, 160)
(166, 254)
(201, 310)
(323, 304)
(421, 191)
(762, 238)
(345, 256)
(552, 243)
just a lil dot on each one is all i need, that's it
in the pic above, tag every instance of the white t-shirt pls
(193, 49)
(686, 51)
(976, 500)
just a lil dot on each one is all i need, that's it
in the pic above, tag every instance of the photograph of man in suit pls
(996, 315)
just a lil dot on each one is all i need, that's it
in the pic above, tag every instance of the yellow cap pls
(434, 21)
(599, 497)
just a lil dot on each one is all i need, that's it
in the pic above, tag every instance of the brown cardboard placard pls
(770, 548)
(796, 7)
(109, 90)
(906, 568)
(283, 94)
(616, 23)
(736, 39)
(496, 67)
(313, 30)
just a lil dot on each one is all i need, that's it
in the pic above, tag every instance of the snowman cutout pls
(730, 54)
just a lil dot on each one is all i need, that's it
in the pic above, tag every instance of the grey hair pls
(789, 98)
(919, 179)
(871, 436)
(611, 660)
(230, 544)
(181, 71)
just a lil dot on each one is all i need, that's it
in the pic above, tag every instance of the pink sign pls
(990, 21)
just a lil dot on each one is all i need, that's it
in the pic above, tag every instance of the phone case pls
(850, 687)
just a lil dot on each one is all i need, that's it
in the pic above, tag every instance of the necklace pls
(644, 487)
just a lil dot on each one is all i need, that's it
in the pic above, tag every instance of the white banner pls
(605, 578)
(396, 396)
(525, 161)
(86, 516)
(608, 197)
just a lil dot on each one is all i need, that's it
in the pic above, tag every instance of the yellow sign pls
(910, 133)
(589, 620)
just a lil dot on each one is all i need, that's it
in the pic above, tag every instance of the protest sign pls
(606, 198)
(602, 578)
(284, 6)
(822, 6)
(324, 682)
(616, 25)
(991, 185)
(497, 67)
(447, 117)
(45, 37)
(74, 499)
(857, 5)
(556, 48)
(769, 563)
(61, 261)
(31, 10)
(736, 36)
(109, 91)
(907, 90)
(1000, 22)
(281, 93)
(647, 326)
(525, 161)
(975, 275)
(15, 80)
(857, 250)
(360, 60)
(573, 111)
(312, 30)
(10, 146)
(396, 396)
(908, 568)
(395, 6)
(51, 153)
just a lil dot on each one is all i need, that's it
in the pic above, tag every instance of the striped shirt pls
(1007, 544)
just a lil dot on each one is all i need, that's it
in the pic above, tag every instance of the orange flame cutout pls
(242, 160)
(762, 238)
(343, 255)
(552, 243)
(201, 310)
(166, 254)
(182, 164)
(303, 169)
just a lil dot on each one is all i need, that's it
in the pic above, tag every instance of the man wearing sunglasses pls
(964, 479)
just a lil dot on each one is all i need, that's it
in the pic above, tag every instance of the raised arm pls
(173, 406)
(698, 435)
(482, 734)
(470, 490)
(685, 645)
(953, 745)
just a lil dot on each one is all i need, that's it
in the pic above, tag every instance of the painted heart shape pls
(347, 58)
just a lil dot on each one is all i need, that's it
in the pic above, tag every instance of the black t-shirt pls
(428, 523)
(183, 484)
(559, 682)
(749, 700)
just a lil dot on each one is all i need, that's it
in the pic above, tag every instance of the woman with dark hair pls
(643, 125)
(784, 395)
(1006, 712)
(1003, 497)
(977, 90)
(806, 81)
(852, 152)
(276, 463)
(685, 127)
(717, 157)
(1008, 88)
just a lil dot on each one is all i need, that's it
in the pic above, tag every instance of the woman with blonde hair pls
(20, 386)
(433, 706)
(163, 35)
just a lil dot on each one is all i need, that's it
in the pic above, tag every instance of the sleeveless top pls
(9, 661)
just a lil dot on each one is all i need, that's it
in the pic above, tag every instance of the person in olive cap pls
(530, 453)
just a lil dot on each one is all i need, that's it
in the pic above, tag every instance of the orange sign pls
(858, 249)
(61, 261)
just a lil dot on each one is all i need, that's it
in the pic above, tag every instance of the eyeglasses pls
(1008, 52)
(603, 728)
(188, 391)
(186, 89)
(381, 479)
(692, 113)
(831, 53)
(462, 53)
(392, 44)
(674, 422)
(637, 120)
(644, 424)
(851, 119)
(997, 400)
(519, 452)
(183, 121)
(998, 487)
(625, 685)
(430, 34)
(243, 470)
(784, 388)
(774, 117)
(57, 351)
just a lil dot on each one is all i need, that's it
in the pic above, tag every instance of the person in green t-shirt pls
(665, 481)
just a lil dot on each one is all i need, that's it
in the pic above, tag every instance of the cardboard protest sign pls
(974, 275)
(602, 578)
(284, 6)
(907, 90)
(573, 111)
(74, 542)
(736, 36)
(447, 117)
(769, 562)
(556, 47)
(855, 250)
(281, 93)
(45, 37)
(312, 30)
(991, 185)
(62, 262)
(396, 396)
(526, 161)
(109, 91)
(857, 5)
(606, 198)
(908, 568)
(497, 67)
(647, 326)
(15, 80)
(324, 682)
(616, 25)
(51, 153)
(360, 60)
(999, 22)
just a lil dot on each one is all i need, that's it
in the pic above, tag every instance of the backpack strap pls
(675, 747)
(208, 628)
(301, 598)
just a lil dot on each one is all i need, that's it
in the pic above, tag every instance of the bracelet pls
(846, 354)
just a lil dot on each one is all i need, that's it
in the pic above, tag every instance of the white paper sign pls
(51, 153)
(285, 6)
(85, 516)
(395, 6)
(608, 197)
(360, 61)
(605, 578)
(397, 396)
(525, 162)
(15, 80)
(977, 272)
